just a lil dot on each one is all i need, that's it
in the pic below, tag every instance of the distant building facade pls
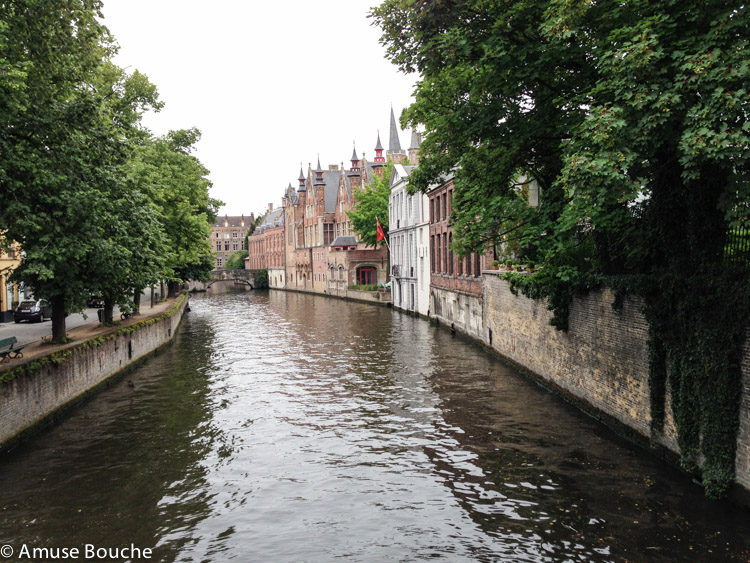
(10, 259)
(266, 247)
(409, 239)
(227, 236)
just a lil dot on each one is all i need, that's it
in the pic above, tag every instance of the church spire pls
(394, 145)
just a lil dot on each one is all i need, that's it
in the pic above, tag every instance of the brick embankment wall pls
(34, 390)
(601, 362)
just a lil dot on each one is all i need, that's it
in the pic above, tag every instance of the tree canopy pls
(70, 137)
(371, 202)
(632, 118)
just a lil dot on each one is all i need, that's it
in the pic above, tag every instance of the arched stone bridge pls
(238, 277)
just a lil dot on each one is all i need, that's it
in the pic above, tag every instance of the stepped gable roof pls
(344, 241)
(348, 188)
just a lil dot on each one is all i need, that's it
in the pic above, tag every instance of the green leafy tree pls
(261, 279)
(62, 140)
(632, 118)
(236, 260)
(369, 203)
(177, 183)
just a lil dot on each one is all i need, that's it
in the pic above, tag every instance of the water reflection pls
(288, 427)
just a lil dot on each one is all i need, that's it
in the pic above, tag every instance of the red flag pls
(381, 234)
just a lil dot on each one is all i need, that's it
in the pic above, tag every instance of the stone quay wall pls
(35, 390)
(600, 363)
(460, 310)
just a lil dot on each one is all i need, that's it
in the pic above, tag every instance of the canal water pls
(287, 427)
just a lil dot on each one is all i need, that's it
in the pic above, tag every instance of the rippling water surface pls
(288, 427)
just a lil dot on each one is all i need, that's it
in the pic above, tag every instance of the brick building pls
(455, 282)
(322, 252)
(266, 247)
(227, 236)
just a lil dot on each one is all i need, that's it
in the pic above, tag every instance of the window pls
(234, 246)
(218, 262)
(438, 257)
(226, 235)
(367, 275)
(328, 234)
(445, 252)
(234, 235)
(218, 246)
(432, 210)
(226, 245)
(218, 235)
(476, 265)
(445, 207)
(450, 254)
(341, 272)
(432, 253)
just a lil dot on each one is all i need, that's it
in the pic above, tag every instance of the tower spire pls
(394, 145)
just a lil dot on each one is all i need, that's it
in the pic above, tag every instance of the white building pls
(409, 238)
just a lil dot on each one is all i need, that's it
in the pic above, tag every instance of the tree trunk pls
(137, 301)
(152, 296)
(108, 310)
(161, 292)
(173, 288)
(58, 318)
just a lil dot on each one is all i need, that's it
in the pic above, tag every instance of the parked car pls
(95, 302)
(31, 310)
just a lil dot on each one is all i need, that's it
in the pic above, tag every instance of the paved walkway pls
(90, 328)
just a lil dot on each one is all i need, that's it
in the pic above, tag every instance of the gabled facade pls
(322, 252)
(227, 236)
(409, 240)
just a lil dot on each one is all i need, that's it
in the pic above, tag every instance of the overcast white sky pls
(269, 84)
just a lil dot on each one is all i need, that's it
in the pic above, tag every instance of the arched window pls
(341, 272)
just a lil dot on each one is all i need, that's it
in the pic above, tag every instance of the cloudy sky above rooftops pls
(269, 85)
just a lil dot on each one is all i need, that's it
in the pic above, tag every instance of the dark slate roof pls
(331, 179)
(344, 241)
(354, 154)
(379, 145)
(233, 220)
(394, 145)
(272, 219)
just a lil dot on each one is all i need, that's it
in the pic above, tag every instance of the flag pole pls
(385, 238)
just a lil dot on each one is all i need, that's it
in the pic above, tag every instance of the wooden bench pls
(8, 349)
